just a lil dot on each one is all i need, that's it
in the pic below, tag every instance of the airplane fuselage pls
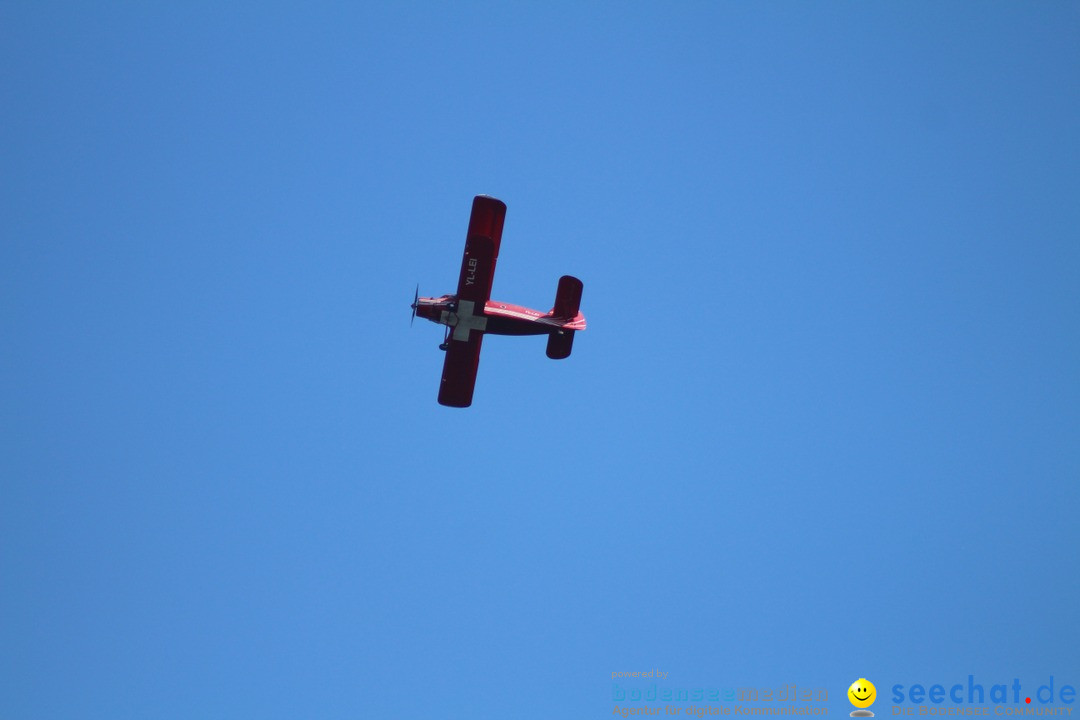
(496, 318)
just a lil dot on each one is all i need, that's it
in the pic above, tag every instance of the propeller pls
(415, 302)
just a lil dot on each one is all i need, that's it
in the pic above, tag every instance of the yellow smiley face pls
(862, 693)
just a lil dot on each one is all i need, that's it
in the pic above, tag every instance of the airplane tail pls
(559, 344)
(567, 303)
(567, 297)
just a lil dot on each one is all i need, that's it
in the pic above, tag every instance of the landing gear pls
(446, 340)
(444, 346)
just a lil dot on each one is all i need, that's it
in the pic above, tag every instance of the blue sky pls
(824, 424)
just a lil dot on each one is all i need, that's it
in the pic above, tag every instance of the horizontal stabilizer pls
(560, 344)
(567, 298)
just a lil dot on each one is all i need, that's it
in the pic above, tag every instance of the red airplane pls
(470, 313)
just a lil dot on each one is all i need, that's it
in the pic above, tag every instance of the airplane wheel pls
(444, 347)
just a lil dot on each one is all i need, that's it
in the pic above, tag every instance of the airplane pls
(470, 313)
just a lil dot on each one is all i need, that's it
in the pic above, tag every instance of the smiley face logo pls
(862, 693)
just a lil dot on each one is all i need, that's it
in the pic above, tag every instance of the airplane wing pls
(459, 371)
(474, 290)
(481, 249)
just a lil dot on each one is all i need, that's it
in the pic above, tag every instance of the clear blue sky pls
(824, 424)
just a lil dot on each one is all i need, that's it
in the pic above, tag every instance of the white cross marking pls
(467, 321)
